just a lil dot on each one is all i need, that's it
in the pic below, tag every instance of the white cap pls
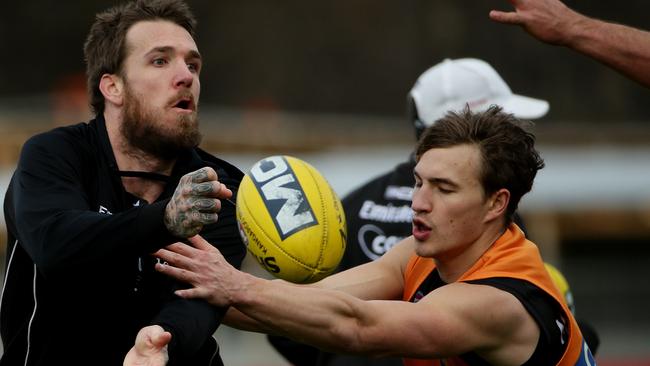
(453, 84)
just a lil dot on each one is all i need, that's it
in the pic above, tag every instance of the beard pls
(144, 129)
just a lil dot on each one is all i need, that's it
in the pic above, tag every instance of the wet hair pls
(105, 48)
(509, 158)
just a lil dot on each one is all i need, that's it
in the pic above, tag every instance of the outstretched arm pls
(483, 317)
(621, 47)
(380, 279)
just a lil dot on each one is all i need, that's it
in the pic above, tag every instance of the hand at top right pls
(549, 21)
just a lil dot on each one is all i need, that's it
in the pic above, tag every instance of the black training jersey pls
(80, 280)
(378, 215)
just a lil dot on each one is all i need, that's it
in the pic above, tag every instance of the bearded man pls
(88, 203)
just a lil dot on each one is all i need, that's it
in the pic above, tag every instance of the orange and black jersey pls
(544, 310)
(512, 264)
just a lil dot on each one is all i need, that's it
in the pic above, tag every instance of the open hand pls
(202, 266)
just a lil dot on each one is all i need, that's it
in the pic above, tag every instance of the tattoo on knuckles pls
(208, 218)
(200, 174)
(205, 204)
(202, 188)
(184, 216)
(187, 205)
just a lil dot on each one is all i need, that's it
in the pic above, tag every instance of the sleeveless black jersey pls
(540, 305)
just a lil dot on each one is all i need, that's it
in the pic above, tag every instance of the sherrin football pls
(291, 220)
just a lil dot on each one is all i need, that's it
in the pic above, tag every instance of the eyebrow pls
(168, 49)
(438, 181)
(443, 181)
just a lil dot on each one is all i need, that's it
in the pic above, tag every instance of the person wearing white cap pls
(619, 46)
(448, 85)
(453, 84)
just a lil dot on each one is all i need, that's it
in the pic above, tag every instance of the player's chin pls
(424, 249)
(426, 246)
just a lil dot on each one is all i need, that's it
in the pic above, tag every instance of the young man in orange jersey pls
(466, 288)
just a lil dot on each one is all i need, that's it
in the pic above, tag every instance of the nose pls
(183, 76)
(420, 201)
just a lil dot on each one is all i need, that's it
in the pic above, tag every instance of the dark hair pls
(105, 48)
(509, 158)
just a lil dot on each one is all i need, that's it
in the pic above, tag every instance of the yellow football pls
(291, 220)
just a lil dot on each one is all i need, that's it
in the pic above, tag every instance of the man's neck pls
(130, 158)
(453, 266)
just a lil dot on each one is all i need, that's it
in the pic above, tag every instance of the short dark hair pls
(105, 46)
(509, 158)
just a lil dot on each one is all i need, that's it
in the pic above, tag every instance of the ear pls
(112, 88)
(497, 204)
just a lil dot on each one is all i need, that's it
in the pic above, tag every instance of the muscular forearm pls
(621, 47)
(330, 320)
(236, 319)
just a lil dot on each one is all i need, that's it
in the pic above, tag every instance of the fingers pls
(205, 205)
(185, 276)
(204, 189)
(152, 335)
(162, 339)
(505, 17)
(206, 218)
(157, 336)
(176, 248)
(175, 272)
(199, 243)
(200, 293)
(182, 260)
(205, 174)
(224, 192)
(176, 253)
(214, 189)
(190, 293)
(205, 182)
(199, 265)
(195, 203)
(511, 17)
(207, 189)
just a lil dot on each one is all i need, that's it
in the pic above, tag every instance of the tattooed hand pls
(195, 203)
